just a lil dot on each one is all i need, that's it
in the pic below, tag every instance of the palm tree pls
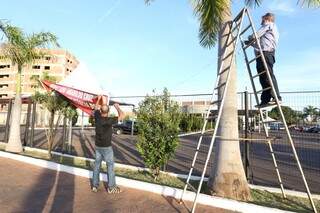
(311, 112)
(22, 50)
(227, 178)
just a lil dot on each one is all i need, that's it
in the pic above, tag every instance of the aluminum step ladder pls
(263, 110)
(233, 37)
(216, 101)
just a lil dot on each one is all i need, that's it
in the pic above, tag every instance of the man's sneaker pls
(94, 189)
(273, 101)
(114, 190)
(262, 105)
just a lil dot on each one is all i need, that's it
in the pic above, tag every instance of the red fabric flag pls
(80, 99)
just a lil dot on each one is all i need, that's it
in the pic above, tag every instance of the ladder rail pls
(283, 118)
(207, 116)
(219, 113)
(261, 113)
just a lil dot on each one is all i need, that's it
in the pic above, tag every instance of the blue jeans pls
(104, 153)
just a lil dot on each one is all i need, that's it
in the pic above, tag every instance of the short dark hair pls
(269, 17)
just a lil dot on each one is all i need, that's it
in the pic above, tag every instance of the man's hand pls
(120, 113)
(98, 104)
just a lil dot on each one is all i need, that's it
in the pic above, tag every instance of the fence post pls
(70, 136)
(246, 143)
(64, 134)
(33, 121)
(26, 131)
(6, 133)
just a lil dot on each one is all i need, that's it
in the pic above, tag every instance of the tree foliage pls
(311, 113)
(158, 119)
(56, 104)
(292, 116)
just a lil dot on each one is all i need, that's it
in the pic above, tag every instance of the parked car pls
(314, 130)
(125, 127)
(276, 126)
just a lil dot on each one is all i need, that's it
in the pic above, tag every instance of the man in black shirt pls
(104, 151)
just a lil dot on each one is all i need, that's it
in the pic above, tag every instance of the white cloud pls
(280, 6)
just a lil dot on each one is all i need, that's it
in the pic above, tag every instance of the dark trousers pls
(264, 81)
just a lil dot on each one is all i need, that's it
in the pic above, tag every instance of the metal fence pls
(260, 168)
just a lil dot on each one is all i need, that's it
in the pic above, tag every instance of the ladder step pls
(266, 106)
(265, 89)
(270, 121)
(221, 85)
(224, 70)
(259, 74)
(192, 187)
(246, 46)
(245, 29)
(215, 102)
(283, 153)
(254, 59)
(229, 54)
(235, 27)
(232, 41)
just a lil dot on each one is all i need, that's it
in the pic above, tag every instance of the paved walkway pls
(27, 188)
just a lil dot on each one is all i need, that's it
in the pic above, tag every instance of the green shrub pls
(158, 119)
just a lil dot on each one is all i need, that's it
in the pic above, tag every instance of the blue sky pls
(133, 48)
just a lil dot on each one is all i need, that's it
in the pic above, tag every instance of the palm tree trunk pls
(228, 178)
(14, 142)
(51, 133)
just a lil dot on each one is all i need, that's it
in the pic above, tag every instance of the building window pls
(47, 67)
(4, 66)
(47, 58)
(4, 76)
(3, 85)
(3, 95)
(36, 67)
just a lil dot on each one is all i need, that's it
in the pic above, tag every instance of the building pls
(195, 107)
(57, 62)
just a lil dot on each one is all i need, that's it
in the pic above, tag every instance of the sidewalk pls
(27, 188)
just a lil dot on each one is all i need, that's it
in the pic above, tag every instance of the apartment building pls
(57, 62)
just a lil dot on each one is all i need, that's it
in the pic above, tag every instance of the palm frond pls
(253, 3)
(21, 48)
(42, 40)
(209, 14)
(148, 1)
(310, 3)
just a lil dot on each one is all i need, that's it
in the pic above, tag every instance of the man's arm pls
(98, 103)
(120, 112)
(260, 32)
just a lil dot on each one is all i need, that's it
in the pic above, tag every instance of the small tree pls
(291, 115)
(158, 119)
(55, 104)
(186, 122)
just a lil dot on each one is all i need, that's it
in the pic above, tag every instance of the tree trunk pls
(228, 178)
(14, 142)
(51, 133)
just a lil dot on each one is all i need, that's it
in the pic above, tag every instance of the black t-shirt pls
(103, 129)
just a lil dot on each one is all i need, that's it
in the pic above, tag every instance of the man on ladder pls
(268, 36)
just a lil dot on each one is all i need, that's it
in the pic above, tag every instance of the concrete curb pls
(154, 188)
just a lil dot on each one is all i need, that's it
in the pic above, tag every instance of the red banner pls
(80, 99)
